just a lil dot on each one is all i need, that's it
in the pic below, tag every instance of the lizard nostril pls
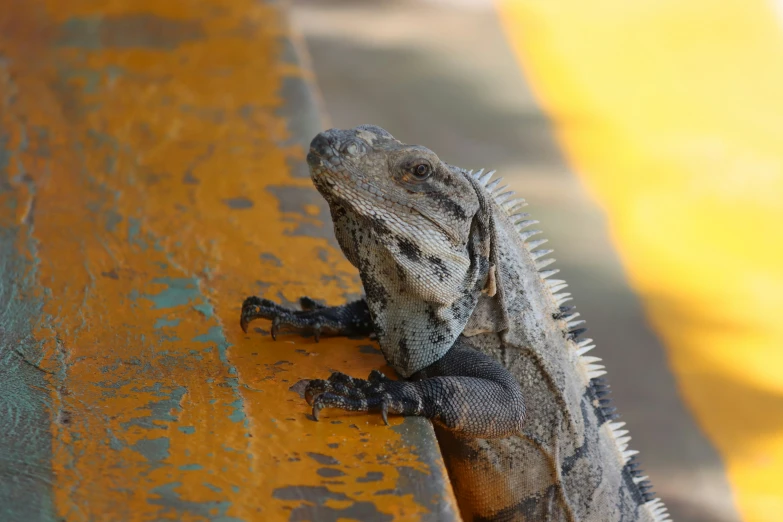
(321, 146)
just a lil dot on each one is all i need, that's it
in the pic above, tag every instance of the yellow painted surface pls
(671, 112)
(149, 149)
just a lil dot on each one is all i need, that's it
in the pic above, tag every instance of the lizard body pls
(465, 310)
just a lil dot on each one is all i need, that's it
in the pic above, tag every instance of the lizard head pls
(412, 225)
(368, 171)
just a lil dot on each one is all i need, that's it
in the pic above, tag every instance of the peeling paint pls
(25, 448)
(323, 459)
(144, 130)
(154, 450)
(238, 203)
(160, 412)
(314, 505)
(26, 477)
(173, 505)
(179, 291)
(371, 476)
(142, 30)
(307, 210)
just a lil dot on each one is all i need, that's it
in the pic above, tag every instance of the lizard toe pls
(315, 388)
(377, 376)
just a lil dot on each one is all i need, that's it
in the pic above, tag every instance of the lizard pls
(462, 302)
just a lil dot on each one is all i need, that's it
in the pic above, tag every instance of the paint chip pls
(239, 203)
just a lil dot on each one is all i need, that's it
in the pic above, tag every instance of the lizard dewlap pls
(464, 308)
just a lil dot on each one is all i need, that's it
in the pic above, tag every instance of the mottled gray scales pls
(465, 310)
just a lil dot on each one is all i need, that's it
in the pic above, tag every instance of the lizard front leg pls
(350, 319)
(466, 392)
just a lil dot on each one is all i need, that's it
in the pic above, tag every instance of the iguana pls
(465, 309)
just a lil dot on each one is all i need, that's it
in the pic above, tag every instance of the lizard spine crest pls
(589, 368)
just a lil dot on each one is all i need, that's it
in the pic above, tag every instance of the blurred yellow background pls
(672, 112)
(644, 131)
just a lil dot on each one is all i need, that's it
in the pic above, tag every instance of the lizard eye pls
(421, 171)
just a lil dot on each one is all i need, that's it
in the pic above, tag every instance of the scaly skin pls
(464, 310)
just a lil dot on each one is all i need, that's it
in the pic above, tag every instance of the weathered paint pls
(152, 177)
(671, 111)
(25, 440)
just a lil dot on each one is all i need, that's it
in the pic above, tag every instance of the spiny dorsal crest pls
(574, 328)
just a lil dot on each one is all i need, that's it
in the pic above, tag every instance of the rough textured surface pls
(147, 158)
(443, 257)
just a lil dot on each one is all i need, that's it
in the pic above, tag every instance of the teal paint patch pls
(183, 291)
(26, 476)
(174, 505)
(115, 443)
(212, 487)
(113, 219)
(161, 412)
(179, 291)
(187, 430)
(205, 309)
(134, 234)
(238, 414)
(215, 335)
(191, 467)
(163, 322)
(143, 30)
(81, 32)
(154, 450)
(165, 337)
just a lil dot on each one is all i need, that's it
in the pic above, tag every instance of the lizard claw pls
(351, 394)
(254, 308)
(275, 327)
(377, 376)
(250, 309)
(317, 332)
(313, 389)
(317, 411)
(312, 317)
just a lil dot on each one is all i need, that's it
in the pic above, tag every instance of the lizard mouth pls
(322, 171)
(337, 179)
(324, 163)
(321, 149)
(327, 167)
(314, 159)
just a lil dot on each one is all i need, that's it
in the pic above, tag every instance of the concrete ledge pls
(151, 176)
